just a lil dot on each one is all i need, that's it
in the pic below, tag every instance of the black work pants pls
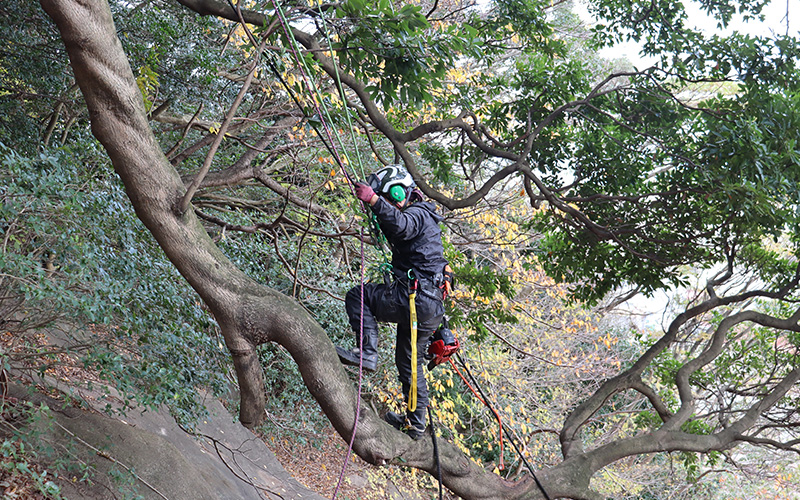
(389, 304)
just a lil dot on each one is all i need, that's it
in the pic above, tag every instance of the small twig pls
(239, 474)
(522, 351)
(186, 130)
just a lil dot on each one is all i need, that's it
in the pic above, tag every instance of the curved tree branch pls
(570, 440)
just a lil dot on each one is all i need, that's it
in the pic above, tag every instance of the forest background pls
(176, 197)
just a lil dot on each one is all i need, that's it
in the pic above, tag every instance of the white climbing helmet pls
(392, 181)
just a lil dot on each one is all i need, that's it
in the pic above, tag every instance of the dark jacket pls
(414, 236)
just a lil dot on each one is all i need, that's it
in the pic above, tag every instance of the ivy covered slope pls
(568, 182)
(75, 260)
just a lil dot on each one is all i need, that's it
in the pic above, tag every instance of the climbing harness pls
(442, 345)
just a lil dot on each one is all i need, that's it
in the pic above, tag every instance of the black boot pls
(354, 358)
(403, 424)
(395, 420)
(369, 355)
(416, 423)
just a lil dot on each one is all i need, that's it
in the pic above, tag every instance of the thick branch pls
(570, 439)
(666, 440)
(713, 350)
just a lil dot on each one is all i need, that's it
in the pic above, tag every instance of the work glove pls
(364, 192)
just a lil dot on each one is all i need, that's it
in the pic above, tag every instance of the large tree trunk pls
(249, 314)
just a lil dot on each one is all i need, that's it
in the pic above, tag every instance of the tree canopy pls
(568, 181)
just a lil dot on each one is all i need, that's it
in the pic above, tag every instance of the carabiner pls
(413, 282)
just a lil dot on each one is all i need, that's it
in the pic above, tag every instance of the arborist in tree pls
(413, 298)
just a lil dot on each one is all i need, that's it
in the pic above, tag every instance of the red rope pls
(497, 415)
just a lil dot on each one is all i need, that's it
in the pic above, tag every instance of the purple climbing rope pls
(360, 378)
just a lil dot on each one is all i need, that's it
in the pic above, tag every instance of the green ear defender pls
(397, 193)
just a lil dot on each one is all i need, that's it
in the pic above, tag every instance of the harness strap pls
(430, 286)
(412, 306)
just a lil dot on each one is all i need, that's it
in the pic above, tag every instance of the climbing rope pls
(324, 118)
(482, 400)
(319, 106)
(435, 451)
(360, 379)
(294, 48)
(485, 401)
